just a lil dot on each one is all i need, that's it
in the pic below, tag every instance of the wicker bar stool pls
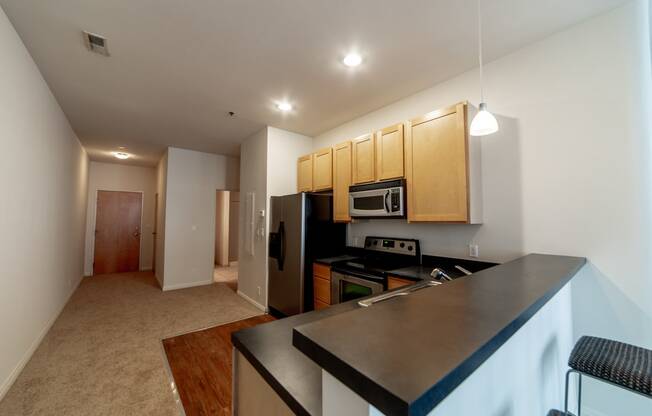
(619, 364)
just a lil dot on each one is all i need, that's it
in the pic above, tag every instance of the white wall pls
(252, 269)
(43, 177)
(569, 173)
(161, 188)
(116, 177)
(192, 179)
(268, 168)
(283, 150)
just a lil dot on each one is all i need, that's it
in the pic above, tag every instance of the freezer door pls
(286, 262)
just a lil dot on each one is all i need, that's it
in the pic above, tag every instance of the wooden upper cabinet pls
(363, 164)
(389, 153)
(322, 170)
(437, 166)
(341, 181)
(304, 174)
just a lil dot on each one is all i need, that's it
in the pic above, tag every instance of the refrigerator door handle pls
(281, 257)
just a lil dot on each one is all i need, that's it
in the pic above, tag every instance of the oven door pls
(384, 202)
(346, 287)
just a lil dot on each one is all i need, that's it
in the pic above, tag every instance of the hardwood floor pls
(201, 365)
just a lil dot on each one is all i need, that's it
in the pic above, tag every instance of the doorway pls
(226, 238)
(117, 232)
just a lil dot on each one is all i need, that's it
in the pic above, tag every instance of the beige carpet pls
(227, 274)
(103, 356)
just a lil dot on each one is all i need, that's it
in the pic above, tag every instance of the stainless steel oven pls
(378, 200)
(345, 287)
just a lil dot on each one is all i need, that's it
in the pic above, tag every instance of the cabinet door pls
(322, 163)
(389, 153)
(363, 159)
(437, 168)
(396, 282)
(304, 174)
(341, 181)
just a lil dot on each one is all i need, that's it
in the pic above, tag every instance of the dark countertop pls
(446, 333)
(447, 264)
(330, 260)
(294, 377)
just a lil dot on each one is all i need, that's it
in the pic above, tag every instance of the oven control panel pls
(393, 245)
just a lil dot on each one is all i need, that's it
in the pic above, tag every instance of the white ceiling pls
(177, 67)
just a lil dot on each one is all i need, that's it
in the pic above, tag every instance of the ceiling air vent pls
(96, 43)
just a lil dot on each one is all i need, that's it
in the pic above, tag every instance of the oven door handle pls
(368, 302)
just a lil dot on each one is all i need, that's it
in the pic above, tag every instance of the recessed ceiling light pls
(284, 106)
(121, 155)
(352, 59)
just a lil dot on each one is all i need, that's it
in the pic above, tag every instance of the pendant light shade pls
(484, 122)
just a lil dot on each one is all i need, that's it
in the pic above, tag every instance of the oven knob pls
(375, 242)
(409, 248)
(368, 243)
(402, 245)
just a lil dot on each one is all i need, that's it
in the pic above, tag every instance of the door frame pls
(142, 209)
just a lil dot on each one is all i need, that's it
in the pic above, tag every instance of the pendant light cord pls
(480, 51)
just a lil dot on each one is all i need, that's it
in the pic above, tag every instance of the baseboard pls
(9, 381)
(146, 269)
(187, 285)
(253, 302)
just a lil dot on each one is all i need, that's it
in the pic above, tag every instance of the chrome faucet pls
(439, 274)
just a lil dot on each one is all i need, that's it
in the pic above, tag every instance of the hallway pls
(227, 274)
(103, 355)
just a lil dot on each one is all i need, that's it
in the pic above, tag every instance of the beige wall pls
(116, 177)
(43, 177)
(222, 209)
(192, 179)
(161, 188)
(234, 219)
(252, 266)
(268, 168)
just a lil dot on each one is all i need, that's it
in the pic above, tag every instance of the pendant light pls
(484, 122)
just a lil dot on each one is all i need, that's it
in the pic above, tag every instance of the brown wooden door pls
(117, 232)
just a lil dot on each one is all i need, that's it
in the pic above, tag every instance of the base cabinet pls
(321, 281)
(252, 396)
(394, 282)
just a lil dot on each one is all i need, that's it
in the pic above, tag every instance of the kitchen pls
(353, 181)
(533, 195)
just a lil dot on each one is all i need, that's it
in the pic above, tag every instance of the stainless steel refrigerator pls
(302, 229)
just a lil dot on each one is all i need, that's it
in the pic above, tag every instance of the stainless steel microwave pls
(378, 200)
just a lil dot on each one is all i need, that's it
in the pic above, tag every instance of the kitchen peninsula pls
(408, 354)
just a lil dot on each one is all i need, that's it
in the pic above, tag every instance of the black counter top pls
(447, 264)
(294, 377)
(445, 333)
(330, 260)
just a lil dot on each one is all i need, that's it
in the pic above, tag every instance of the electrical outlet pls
(474, 251)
